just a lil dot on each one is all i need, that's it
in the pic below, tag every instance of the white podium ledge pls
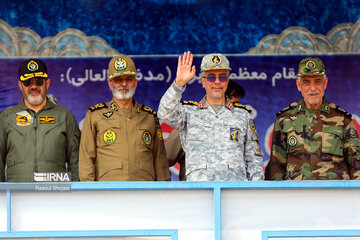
(181, 210)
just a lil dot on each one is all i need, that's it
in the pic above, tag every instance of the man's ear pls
(298, 84)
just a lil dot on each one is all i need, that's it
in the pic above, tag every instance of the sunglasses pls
(212, 78)
(38, 81)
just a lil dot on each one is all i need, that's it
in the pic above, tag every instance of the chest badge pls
(23, 119)
(234, 134)
(292, 141)
(146, 137)
(293, 118)
(109, 136)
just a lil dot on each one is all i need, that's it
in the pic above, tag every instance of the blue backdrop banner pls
(269, 82)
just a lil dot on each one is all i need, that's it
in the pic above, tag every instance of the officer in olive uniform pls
(37, 137)
(313, 138)
(121, 139)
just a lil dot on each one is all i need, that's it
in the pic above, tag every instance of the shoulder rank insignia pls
(339, 109)
(291, 106)
(108, 114)
(97, 106)
(238, 105)
(189, 103)
(148, 109)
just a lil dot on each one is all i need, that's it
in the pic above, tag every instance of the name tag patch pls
(47, 119)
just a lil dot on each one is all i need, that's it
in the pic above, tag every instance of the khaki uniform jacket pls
(122, 147)
(40, 142)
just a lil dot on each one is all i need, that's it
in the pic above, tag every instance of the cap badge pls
(120, 64)
(109, 136)
(310, 65)
(32, 66)
(215, 59)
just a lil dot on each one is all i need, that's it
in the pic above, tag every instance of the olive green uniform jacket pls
(119, 146)
(314, 144)
(46, 141)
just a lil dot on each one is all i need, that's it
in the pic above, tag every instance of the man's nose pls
(217, 80)
(312, 87)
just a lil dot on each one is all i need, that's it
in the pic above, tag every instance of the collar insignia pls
(108, 114)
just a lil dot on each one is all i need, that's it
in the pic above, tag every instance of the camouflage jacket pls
(221, 146)
(314, 144)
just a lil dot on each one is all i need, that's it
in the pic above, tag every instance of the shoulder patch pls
(291, 106)
(189, 103)
(148, 109)
(343, 111)
(98, 106)
(238, 105)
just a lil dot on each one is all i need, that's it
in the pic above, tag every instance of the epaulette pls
(343, 111)
(189, 103)
(98, 106)
(238, 105)
(148, 109)
(291, 106)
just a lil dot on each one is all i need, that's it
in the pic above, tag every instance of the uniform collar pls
(113, 106)
(324, 106)
(204, 104)
(228, 104)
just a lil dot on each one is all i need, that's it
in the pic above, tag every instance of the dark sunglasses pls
(212, 78)
(38, 81)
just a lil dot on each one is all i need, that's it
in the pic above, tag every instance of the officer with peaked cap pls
(313, 139)
(121, 139)
(37, 136)
(219, 137)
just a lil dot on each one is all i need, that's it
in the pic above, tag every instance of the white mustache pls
(216, 86)
(315, 92)
(122, 88)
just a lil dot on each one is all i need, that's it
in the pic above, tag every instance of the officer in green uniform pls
(37, 137)
(121, 139)
(313, 138)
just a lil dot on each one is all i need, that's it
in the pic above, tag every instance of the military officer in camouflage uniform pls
(37, 136)
(313, 138)
(218, 137)
(121, 139)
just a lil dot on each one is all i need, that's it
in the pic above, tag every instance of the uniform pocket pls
(108, 151)
(332, 143)
(144, 151)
